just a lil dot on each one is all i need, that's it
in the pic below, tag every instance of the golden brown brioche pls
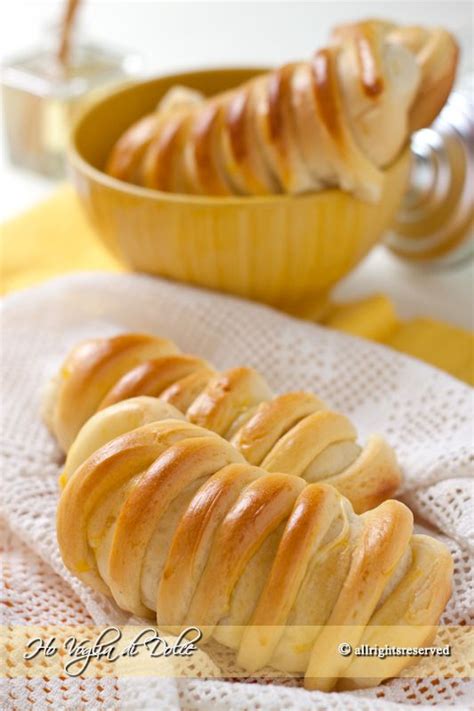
(87, 375)
(294, 433)
(126, 163)
(170, 521)
(334, 121)
(437, 57)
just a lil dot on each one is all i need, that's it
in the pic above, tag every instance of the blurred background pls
(183, 35)
(168, 36)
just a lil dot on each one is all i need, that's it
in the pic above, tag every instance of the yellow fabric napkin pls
(55, 238)
(52, 238)
(441, 344)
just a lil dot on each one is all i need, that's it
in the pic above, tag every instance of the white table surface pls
(177, 35)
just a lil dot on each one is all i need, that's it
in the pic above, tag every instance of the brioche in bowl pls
(276, 249)
(308, 201)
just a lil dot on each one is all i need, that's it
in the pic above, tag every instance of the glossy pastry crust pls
(172, 523)
(293, 433)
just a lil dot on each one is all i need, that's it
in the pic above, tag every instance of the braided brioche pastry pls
(334, 121)
(170, 521)
(293, 433)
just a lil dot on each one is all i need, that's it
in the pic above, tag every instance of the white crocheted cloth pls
(424, 413)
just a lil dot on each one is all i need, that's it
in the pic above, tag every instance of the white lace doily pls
(425, 414)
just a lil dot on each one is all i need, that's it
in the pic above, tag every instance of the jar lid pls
(435, 221)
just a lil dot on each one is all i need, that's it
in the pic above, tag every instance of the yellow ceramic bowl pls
(277, 249)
